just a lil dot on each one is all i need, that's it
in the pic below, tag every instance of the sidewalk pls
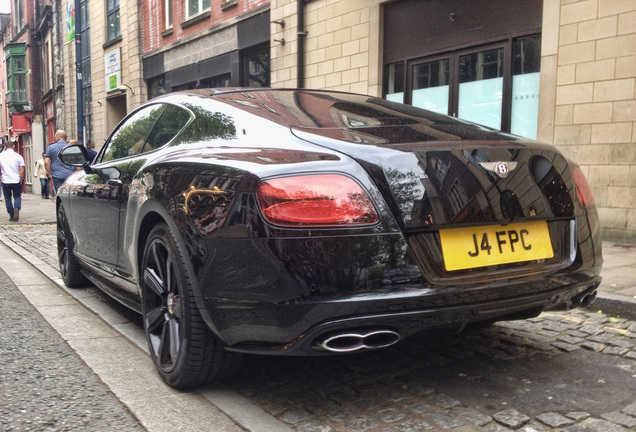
(35, 210)
(617, 293)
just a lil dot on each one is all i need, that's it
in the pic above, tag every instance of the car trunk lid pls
(469, 200)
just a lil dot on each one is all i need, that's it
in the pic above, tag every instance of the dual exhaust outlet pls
(356, 340)
(585, 298)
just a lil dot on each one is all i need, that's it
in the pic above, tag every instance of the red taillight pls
(325, 199)
(582, 188)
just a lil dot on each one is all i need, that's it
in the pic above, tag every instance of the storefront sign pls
(112, 60)
(20, 124)
(50, 110)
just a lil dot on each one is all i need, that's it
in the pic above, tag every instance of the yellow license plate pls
(465, 248)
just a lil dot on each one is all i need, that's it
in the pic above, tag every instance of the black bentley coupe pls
(301, 222)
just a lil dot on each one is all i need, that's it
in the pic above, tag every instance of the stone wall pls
(588, 100)
(342, 47)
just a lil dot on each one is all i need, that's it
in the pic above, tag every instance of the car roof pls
(347, 116)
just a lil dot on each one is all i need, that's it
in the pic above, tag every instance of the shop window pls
(216, 82)
(395, 82)
(256, 68)
(524, 111)
(431, 85)
(495, 85)
(187, 86)
(156, 86)
(481, 87)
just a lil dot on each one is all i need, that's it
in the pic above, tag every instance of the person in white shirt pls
(12, 176)
(45, 180)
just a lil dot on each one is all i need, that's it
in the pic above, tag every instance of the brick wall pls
(588, 100)
(221, 12)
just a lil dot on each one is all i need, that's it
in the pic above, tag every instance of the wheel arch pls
(149, 221)
(154, 213)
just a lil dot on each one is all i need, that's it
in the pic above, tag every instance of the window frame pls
(151, 133)
(18, 16)
(114, 13)
(200, 8)
(250, 60)
(167, 15)
(17, 90)
(454, 56)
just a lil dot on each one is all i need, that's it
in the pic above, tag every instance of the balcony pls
(17, 97)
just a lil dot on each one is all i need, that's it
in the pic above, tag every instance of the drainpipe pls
(302, 34)
(78, 72)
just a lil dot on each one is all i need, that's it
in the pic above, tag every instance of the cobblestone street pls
(569, 371)
(562, 370)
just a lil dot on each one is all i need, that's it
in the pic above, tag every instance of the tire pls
(70, 268)
(184, 350)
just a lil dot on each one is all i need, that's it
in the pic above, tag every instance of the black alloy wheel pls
(69, 265)
(183, 349)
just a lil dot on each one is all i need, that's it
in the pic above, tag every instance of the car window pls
(167, 127)
(130, 138)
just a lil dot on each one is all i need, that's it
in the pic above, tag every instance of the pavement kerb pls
(226, 409)
(615, 305)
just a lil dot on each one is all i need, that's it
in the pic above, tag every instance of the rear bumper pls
(307, 324)
(299, 290)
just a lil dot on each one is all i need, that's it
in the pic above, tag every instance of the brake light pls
(325, 199)
(582, 188)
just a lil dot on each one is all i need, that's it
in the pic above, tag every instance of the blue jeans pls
(44, 183)
(57, 182)
(12, 190)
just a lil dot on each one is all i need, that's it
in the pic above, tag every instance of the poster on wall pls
(70, 21)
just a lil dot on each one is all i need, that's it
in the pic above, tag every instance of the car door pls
(98, 197)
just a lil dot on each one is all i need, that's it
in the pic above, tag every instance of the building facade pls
(563, 72)
(205, 43)
(23, 97)
(5, 19)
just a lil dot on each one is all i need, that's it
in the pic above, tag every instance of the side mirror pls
(74, 155)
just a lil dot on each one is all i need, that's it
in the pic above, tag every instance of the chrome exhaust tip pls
(352, 341)
(584, 299)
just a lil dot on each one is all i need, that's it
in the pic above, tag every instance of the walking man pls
(40, 172)
(12, 171)
(90, 149)
(55, 168)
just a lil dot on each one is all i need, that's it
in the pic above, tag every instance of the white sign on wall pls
(112, 60)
